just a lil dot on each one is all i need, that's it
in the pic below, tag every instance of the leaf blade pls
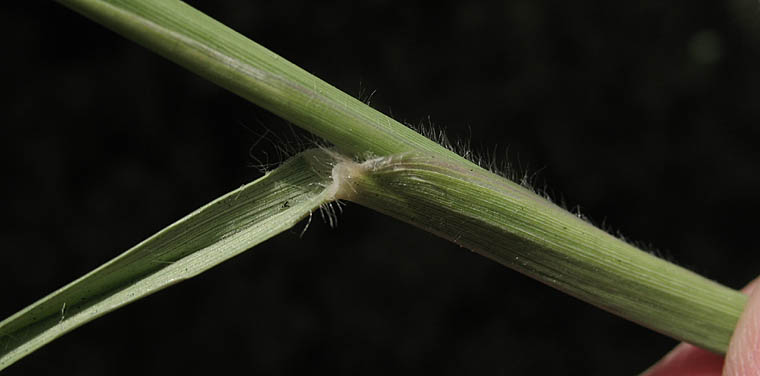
(222, 229)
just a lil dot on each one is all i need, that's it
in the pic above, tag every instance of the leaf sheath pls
(515, 227)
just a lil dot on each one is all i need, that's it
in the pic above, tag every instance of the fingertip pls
(743, 356)
(751, 286)
(686, 359)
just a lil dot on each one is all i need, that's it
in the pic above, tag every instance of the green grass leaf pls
(205, 46)
(418, 181)
(212, 234)
(519, 229)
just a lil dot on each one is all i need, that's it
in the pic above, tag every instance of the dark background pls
(644, 113)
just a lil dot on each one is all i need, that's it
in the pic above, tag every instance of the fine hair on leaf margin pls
(283, 146)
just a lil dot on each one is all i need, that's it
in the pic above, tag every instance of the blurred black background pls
(645, 114)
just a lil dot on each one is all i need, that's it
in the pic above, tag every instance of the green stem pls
(433, 188)
(201, 44)
(517, 228)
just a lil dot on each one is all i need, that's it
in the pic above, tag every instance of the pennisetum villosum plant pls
(373, 161)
